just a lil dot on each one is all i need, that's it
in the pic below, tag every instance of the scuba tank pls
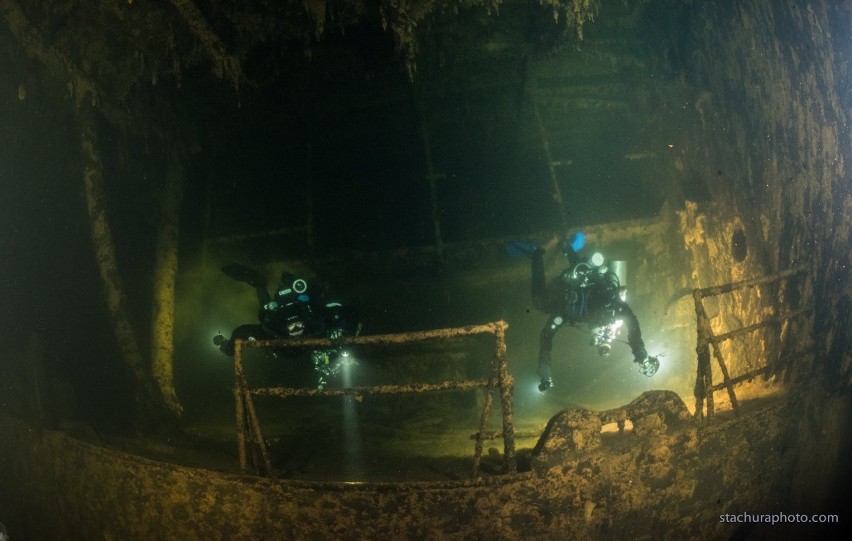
(619, 268)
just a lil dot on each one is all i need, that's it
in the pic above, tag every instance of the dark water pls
(343, 147)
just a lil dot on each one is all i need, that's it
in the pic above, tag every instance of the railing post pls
(704, 373)
(486, 412)
(240, 405)
(506, 385)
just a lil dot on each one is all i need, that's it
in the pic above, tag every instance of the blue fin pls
(520, 248)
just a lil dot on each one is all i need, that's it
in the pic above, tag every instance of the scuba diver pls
(586, 292)
(294, 311)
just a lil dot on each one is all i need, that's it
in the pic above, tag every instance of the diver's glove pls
(546, 383)
(218, 340)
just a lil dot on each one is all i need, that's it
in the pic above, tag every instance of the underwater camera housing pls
(649, 366)
(619, 269)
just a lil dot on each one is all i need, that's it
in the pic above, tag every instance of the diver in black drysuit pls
(290, 313)
(294, 311)
(586, 292)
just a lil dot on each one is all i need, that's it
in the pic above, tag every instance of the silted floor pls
(341, 439)
(428, 438)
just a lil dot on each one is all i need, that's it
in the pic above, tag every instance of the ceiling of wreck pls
(118, 49)
(259, 85)
(261, 88)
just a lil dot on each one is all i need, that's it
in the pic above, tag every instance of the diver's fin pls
(520, 248)
(245, 274)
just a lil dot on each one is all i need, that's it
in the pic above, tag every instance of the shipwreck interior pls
(387, 153)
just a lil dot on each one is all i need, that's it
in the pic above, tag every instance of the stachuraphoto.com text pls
(779, 518)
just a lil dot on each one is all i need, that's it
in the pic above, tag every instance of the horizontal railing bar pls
(399, 338)
(766, 322)
(756, 372)
(285, 392)
(727, 288)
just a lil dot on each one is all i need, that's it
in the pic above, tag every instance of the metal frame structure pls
(704, 386)
(250, 436)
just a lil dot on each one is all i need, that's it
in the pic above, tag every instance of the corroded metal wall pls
(666, 474)
(706, 233)
(767, 139)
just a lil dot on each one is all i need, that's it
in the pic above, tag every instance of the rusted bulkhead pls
(666, 472)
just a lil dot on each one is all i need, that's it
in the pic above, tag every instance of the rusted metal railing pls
(704, 386)
(250, 436)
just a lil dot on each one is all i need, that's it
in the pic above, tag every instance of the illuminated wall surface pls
(387, 155)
